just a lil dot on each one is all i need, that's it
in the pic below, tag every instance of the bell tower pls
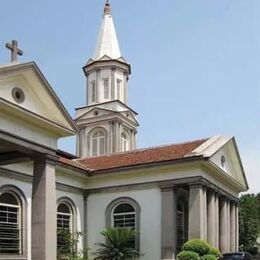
(106, 124)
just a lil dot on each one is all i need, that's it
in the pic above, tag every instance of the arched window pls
(98, 142)
(65, 226)
(124, 213)
(10, 223)
(181, 225)
(124, 141)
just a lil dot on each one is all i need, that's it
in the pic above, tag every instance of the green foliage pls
(188, 255)
(208, 257)
(249, 221)
(67, 249)
(118, 245)
(214, 251)
(201, 247)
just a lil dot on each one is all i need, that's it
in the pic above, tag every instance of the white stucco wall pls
(149, 201)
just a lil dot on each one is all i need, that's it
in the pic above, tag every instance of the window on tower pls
(125, 141)
(106, 88)
(93, 91)
(98, 142)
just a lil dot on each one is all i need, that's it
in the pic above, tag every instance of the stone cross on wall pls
(15, 51)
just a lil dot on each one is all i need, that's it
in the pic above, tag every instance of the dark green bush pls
(214, 251)
(209, 257)
(188, 255)
(201, 247)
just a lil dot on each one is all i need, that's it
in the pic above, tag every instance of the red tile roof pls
(139, 157)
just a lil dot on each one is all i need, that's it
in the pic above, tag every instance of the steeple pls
(107, 43)
(106, 124)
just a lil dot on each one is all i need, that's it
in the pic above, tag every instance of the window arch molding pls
(134, 204)
(72, 207)
(70, 203)
(22, 201)
(91, 136)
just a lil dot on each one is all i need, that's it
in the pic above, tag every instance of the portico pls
(31, 136)
(211, 215)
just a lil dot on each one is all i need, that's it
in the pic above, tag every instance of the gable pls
(94, 113)
(228, 160)
(40, 101)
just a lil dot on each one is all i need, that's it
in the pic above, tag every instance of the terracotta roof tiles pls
(139, 157)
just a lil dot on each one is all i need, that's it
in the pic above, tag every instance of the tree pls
(248, 221)
(118, 245)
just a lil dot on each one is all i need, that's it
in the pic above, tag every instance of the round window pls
(18, 95)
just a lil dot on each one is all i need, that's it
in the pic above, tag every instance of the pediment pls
(130, 116)
(40, 101)
(95, 112)
(227, 158)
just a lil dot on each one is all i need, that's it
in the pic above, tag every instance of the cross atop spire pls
(107, 9)
(15, 51)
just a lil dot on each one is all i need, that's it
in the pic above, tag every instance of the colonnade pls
(212, 216)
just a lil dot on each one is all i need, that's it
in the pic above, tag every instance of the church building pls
(169, 194)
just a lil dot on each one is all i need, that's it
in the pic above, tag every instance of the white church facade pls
(169, 194)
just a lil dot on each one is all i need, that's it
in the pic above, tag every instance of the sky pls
(195, 63)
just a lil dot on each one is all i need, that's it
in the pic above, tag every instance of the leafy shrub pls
(214, 251)
(118, 245)
(208, 257)
(201, 247)
(188, 255)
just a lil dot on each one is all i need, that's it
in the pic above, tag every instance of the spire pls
(107, 43)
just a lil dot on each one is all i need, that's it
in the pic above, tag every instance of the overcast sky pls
(195, 63)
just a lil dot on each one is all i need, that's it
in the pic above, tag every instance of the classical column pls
(125, 88)
(168, 223)
(232, 227)
(197, 212)
(237, 227)
(44, 209)
(87, 89)
(223, 225)
(216, 220)
(85, 237)
(228, 225)
(211, 231)
(98, 86)
(113, 84)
